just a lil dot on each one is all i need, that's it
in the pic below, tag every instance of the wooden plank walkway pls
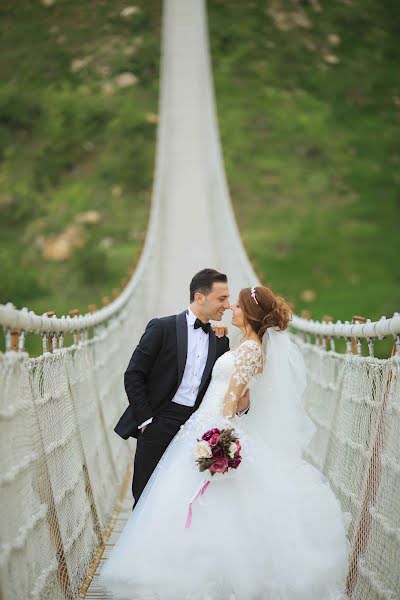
(91, 588)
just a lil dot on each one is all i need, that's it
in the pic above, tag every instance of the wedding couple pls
(270, 528)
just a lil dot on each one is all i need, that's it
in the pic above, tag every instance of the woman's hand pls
(220, 330)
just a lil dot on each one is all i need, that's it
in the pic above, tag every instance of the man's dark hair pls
(203, 281)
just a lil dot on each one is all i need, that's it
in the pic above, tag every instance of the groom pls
(169, 373)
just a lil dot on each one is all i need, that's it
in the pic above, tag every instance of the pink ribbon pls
(200, 492)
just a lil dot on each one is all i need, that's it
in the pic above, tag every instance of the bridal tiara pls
(253, 294)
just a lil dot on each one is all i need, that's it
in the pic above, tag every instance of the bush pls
(128, 156)
(19, 109)
(20, 205)
(18, 285)
(69, 121)
(91, 264)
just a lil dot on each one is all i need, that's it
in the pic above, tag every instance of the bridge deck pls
(91, 588)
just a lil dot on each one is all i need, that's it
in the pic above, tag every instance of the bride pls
(270, 528)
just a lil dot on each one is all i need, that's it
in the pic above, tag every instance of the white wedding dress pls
(270, 530)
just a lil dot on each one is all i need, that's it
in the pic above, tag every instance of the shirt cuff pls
(145, 423)
(240, 413)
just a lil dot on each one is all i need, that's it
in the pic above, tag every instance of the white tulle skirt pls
(272, 530)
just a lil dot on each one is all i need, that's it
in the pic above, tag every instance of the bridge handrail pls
(29, 321)
(370, 329)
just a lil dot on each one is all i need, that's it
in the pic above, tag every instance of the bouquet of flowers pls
(218, 451)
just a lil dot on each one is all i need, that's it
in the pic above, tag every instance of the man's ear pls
(199, 297)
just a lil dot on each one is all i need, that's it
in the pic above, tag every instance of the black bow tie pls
(205, 326)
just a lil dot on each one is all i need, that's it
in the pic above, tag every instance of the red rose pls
(208, 434)
(214, 439)
(235, 462)
(219, 466)
(218, 453)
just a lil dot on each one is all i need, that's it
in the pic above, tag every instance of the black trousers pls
(152, 444)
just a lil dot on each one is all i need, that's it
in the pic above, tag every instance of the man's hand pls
(220, 330)
(244, 401)
(143, 428)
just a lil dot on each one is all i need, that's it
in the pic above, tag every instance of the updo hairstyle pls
(264, 310)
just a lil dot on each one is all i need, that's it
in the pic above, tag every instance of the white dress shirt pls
(197, 352)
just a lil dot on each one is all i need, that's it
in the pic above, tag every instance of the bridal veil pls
(277, 412)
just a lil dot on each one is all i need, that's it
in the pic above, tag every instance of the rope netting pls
(354, 402)
(62, 465)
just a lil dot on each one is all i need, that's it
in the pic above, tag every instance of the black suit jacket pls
(156, 369)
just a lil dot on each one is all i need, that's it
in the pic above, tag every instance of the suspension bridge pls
(65, 474)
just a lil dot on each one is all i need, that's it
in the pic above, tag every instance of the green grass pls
(311, 148)
(73, 141)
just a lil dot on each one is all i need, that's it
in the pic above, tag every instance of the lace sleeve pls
(247, 363)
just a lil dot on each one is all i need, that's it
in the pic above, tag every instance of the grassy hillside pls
(78, 100)
(308, 98)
